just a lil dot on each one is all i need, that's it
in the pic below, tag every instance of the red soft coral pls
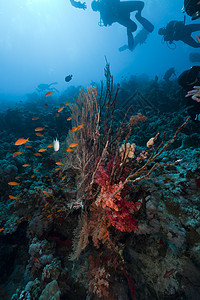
(119, 210)
(122, 220)
(106, 197)
(102, 177)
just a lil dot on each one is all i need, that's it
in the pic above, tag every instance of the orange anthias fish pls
(74, 129)
(60, 109)
(80, 126)
(26, 165)
(1, 229)
(12, 197)
(73, 145)
(50, 146)
(35, 118)
(69, 150)
(17, 153)
(69, 118)
(168, 273)
(67, 103)
(22, 141)
(48, 94)
(39, 128)
(49, 216)
(39, 134)
(13, 183)
(47, 194)
(37, 154)
(42, 150)
(59, 163)
(28, 146)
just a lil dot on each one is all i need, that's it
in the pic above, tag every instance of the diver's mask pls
(192, 8)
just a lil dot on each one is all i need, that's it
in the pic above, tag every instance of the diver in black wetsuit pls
(178, 31)
(112, 11)
(190, 81)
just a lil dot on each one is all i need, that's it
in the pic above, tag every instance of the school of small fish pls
(55, 145)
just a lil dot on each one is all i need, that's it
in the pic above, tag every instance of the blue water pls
(42, 41)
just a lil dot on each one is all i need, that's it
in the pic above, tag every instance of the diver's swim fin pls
(144, 22)
(123, 48)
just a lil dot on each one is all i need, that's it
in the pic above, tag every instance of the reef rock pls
(51, 291)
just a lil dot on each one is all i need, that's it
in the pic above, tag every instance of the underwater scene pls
(99, 150)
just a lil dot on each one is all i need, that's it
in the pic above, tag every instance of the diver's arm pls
(78, 4)
(193, 108)
(195, 93)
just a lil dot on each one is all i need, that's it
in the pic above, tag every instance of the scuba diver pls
(78, 4)
(190, 81)
(178, 31)
(112, 11)
(192, 8)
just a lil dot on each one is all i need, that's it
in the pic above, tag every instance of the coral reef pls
(114, 213)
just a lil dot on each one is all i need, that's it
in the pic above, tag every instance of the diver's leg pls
(192, 27)
(128, 23)
(126, 7)
(187, 38)
(190, 41)
(131, 27)
(145, 23)
(130, 6)
(130, 39)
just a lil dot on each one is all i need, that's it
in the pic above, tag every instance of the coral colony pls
(108, 211)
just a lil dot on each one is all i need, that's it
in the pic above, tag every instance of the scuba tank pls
(192, 8)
